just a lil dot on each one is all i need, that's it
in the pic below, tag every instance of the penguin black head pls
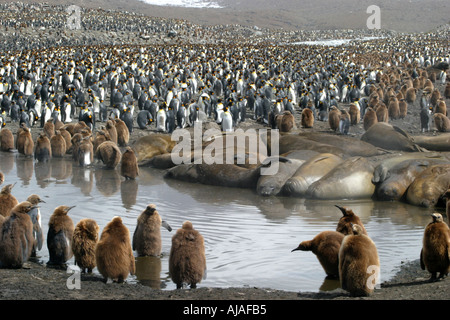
(151, 209)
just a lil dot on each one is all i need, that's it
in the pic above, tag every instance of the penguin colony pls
(165, 87)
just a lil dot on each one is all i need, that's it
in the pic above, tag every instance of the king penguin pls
(147, 235)
(17, 237)
(435, 253)
(187, 260)
(59, 236)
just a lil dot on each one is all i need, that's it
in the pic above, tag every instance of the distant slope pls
(399, 15)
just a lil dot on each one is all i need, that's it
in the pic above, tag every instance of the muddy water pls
(248, 238)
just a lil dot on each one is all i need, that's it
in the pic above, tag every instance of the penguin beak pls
(166, 225)
(296, 249)
(340, 208)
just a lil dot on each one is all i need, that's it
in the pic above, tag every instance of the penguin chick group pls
(347, 254)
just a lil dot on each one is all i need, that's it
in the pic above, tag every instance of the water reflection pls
(43, 173)
(248, 238)
(128, 191)
(107, 181)
(148, 272)
(25, 169)
(83, 178)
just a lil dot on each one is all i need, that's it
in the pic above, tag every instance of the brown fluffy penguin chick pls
(7, 200)
(441, 107)
(68, 139)
(6, 140)
(359, 265)
(85, 152)
(393, 108)
(187, 260)
(24, 142)
(286, 121)
(334, 117)
(49, 128)
(326, 247)
(348, 218)
(16, 237)
(111, 129)
(129, 167)
(411, 94)
(355, 114)
(370, 118)
(147, 235)
(100, 137)
(442, 122)
(123, 135)
(2, 177)
(447, 91)
(35, 215)
(403, 108)
(76, 141)
(435, 253)
(43, 149)
(109, 153)
(113, 253)
(59, 237)
(58, 145)
(382, 112)
(307, 118)
(85, 238)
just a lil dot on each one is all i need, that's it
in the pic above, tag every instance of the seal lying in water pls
(351, 179)
(272, 184)
(309, 172)
(400, 178)
(429, 186)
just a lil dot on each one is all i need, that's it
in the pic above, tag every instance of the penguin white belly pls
(96, 106)
(87, 158)
(68, 111)
(227, 122)
(161, 121)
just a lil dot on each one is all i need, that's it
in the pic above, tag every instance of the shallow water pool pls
(248, 238)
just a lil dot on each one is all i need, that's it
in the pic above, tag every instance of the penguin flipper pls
(422, 264)
(133, 244)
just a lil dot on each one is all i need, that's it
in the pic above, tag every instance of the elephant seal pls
(272, 185)
(386, 136)
(351, 179)
(440, 142)
(353, 147)
(400, 178)
(151, 145)
(382, 170)
(291, 142)
(309, 172)
(226, 175)
(429, 186)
